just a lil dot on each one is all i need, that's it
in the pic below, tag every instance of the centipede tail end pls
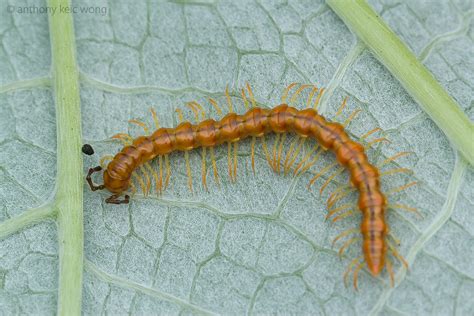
(89, 179)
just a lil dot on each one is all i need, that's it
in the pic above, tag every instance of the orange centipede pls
(256, 123)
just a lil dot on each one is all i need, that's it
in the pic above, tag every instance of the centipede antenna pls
(397, 254)
(310, 96)
(298, 92)
(390, 273)
(89, 179)
(215, 106)
(296, 153)
(153, 173)
(168, 170)
(326, 183)
(343, 215)
(236, 148)
(155, 118)
(372, 131)
(394, 171)
(305, 158)
(265, 150)
(286, 91)
(345, 233)
(252, 153)
(195, 111)
(312, 162)
(346, 245)
(338, 209)
(280, 149)
(356, 274)
(124, 138)
(351, 117)
(244, 97)
(104, 159)
(214, 165)
(252, 98)
(275, 144)
(141, 124)
(341, 107)
(401, 188)
(203, 168)
(323, 171)
(394, 157)
(318, 98)
(378, 140)
(349, 268)
(229, 101)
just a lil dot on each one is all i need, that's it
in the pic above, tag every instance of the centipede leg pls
(338, 194)
(89, 179)
(214, 165)
(344, 234)
(349, 268)
(275, 145)
(288, 155)
(356, 274)
(280, 149)
(265, 150)
(236, 148)
(343, 215)
(346, 245)
(390, 273)
(397, 254)
(168, 170)
(351, 117)
(322, 172)
(229, 161)
(203, 168)
(188, 171)
(335, 174)
(284, 95)
(338, 209)
(252, 153)
(318, 99)
(295, 155)
(113, 199)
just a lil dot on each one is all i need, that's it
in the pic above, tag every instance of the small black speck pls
(87, 149)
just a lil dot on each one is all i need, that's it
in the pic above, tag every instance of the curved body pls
(257, 122)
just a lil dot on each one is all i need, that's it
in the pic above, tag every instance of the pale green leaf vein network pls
(91, 267)
(411, 73)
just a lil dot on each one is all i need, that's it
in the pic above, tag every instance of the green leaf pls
(260, 245)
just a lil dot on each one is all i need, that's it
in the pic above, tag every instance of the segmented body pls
(257, 122)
